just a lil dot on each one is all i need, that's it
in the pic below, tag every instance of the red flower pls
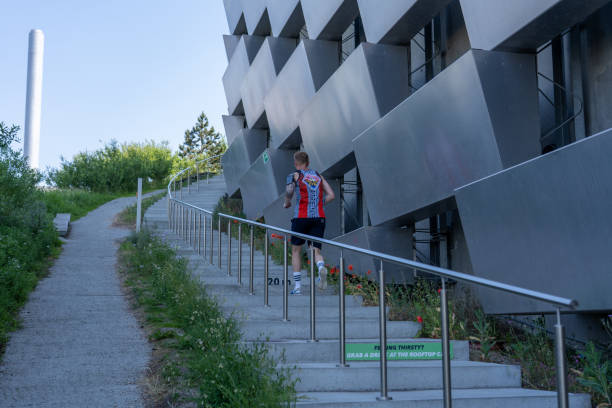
(353, 276)
(271, 245)
(276, 236)
(439, 290)
(308, 262)
(331, 271)
(350, 267)
(369, 272)
(359, 286)
(419, 319)
(235, 221)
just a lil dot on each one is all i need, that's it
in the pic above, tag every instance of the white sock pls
(321, 265)
(297, 278)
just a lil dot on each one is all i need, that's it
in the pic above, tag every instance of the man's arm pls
(289, 190)
(329, 193)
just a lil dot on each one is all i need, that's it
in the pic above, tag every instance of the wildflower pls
(235, 221)
(350, 267)
(359, 286)
(353, 276)
(440, 290)
(369, 272)
(419, 319)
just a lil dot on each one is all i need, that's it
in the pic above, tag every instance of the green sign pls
(266, 157)
(395, 351)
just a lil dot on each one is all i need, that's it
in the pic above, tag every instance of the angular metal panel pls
(256, 17)
(233, 127)
(243, 55)
(286, 17)
(271, 58)
(265, 181)
(310, 65)
(476, 117)
(235, 17)
(231, 42)
(281, 217)
(243, 152)
(519, 25)
(371, 82)
(544, 225)
(397, 21)
(390, 240)
(328, 19)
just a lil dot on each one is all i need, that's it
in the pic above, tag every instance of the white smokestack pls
(31, 137)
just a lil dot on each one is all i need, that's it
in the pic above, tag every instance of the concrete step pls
(276, 301)
(303, 312)
(462, 398)
(326, 351)
(257, 330)
(404, 376)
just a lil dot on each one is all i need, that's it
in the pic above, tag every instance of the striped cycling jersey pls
(309, 194)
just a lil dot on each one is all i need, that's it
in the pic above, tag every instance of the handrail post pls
(266, 270)
(229, 247)
(384, 396)
(212, 241)
(198, 176)
(193, 238)
(219, 243)
(285, 282)
(251, 256)
(181, 191)
(189, 181)
(562, 397)
(239, 254)
(199, 233)
(446, 361)
(189, 226)
(313, 329)
(342, 337)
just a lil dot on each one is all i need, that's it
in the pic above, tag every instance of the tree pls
(202, 141)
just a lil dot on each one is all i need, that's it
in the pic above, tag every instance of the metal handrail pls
(181, 214)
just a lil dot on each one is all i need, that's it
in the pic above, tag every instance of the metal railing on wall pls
(191, 223)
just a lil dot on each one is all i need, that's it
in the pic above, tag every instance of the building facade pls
(471, 134)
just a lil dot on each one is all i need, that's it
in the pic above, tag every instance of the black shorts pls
(308, 226)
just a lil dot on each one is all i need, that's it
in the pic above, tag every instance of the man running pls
(312, 192)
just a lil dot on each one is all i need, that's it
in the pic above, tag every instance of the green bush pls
(115, 168)
(27, 234)
(75, 202)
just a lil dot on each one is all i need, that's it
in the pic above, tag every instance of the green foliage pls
(212, 361)
(202, 141)
(115, 168)
(485, 334)
(27, 234)
(75, 202)
(596, 375)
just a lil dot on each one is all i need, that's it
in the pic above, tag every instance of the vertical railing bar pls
(313, 329)
(384, 395)
(198, 176)
(266, 269)
(189, 181)
(446, 361)
(229, 247)
(239, 254)
(199, 233)
(560, 360)
(285, 282)
(251, 260)
(212, 241)
(342, 311)
(219, 242)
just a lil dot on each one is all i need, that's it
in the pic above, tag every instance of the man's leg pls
(322, 269)
(296, 262)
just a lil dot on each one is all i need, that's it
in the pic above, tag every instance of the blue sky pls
(129, 70)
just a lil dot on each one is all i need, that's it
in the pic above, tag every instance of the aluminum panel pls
(328, 19)
(238, 66)
(233, 127)
(397, 21)
(371, 82)
(286, 17)
(485, 119)
(271, 58)
(544, 225)
(310, 65)
(256, 17)
(243, 152)
(390, 240)
(265, 181)
(231, 42)
(522, 24)
(235, 17)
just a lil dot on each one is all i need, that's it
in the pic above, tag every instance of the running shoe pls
(322, 279)
(296, 291)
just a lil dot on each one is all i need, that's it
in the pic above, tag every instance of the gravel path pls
(80, 346)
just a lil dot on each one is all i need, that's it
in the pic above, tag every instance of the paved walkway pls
(80, 345)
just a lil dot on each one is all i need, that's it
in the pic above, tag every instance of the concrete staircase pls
(321, 382)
